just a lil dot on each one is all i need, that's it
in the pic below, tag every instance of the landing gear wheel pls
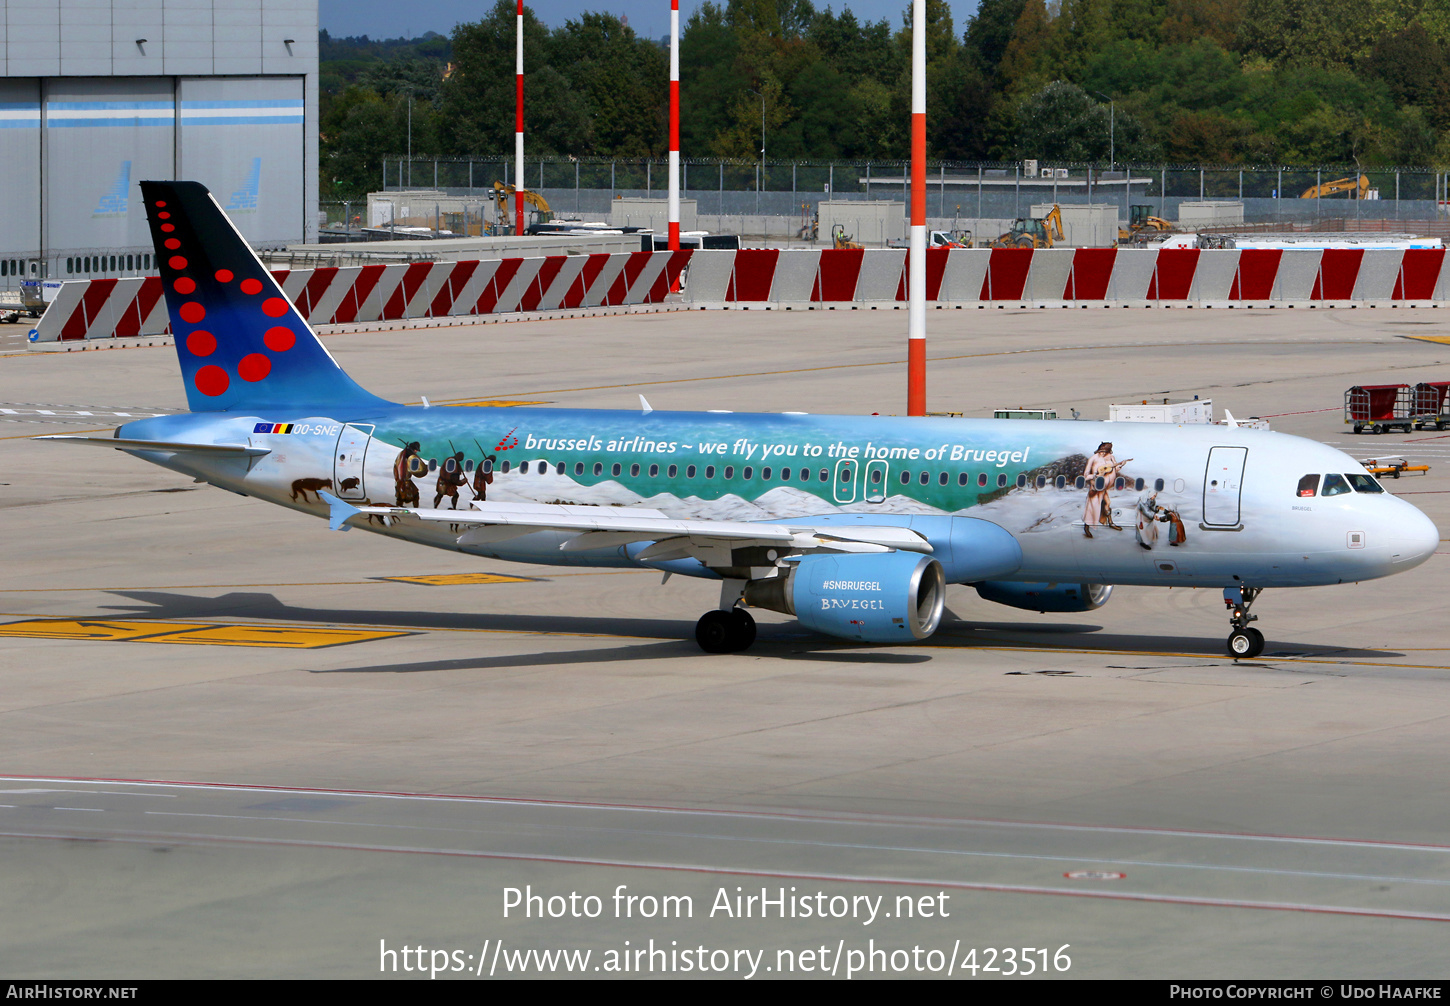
(744, 628)
(722, 631)
(715, 631)
(1245, 643)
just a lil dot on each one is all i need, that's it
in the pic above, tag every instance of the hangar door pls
(242, 138)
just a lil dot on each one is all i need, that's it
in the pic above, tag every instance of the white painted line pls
(94, 810)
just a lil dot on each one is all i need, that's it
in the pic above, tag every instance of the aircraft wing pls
(122, 444)
(710, 541)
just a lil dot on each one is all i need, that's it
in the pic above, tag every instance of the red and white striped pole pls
(519, 125)
(916, 275)
(674, 125)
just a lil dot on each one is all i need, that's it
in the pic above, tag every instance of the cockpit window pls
(1364, 483)
(1334, 485)
(1309, 485)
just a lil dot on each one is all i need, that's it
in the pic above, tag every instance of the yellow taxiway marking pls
(1442, 339)
(497, 403)
(456, 579)
(198, 633)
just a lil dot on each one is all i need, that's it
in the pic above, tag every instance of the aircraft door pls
(347, 466)
(1223, 486)
(873, 487)
(845, 488)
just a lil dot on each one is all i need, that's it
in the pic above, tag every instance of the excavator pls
(1031, 232)
(503, 203)
(1142, 224)
(1357, 189)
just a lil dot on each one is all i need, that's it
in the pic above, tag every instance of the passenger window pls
(1002, 480)
(876, 477)
(963, 478)
(1119, 482)
(1334, 485)
(747, 473)
(1080, 483)
(598, 468)
(634, 471)
(505, 467)
(615, 470)
(450, 466)
(1157, 485)
(689, 471)
(654, 471)
(432, 464)
(709, 471)
(1022, 482)
(825, 475)
(560, 468)
(488, 465)
(1060, 482)
(673, 471)
(578, 468)
(785, 474)
(805, 474)
(982, 479)
(468, 465)
(1364, 483)
(1042, 481)
(925, 477)
(1138, 485)
(765, 474)
(905, 477)
(729, 471)
(1308, 486)
(1098, 483)
(943, 478)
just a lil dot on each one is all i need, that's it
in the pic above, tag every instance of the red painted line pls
(843, 878)
(1306, 412)
(788, 815)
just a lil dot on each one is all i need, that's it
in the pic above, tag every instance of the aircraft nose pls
(1416, 537)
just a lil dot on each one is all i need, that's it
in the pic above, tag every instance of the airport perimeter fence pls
(955, 190)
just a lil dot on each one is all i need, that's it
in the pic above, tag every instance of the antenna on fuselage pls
(644, 406)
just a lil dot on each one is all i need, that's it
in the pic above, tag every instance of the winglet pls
(1229, 418)
(338, 512)
(644, 406)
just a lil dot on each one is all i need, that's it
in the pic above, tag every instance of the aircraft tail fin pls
(241, 343)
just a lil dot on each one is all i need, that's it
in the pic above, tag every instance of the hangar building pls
(96, 95)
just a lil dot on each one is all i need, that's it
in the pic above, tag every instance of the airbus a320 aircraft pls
(853, 524)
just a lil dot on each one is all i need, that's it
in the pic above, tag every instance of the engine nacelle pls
(883, 597)
(1046, 597)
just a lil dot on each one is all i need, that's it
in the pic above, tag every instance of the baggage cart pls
(1375, 408)
(1431, 405)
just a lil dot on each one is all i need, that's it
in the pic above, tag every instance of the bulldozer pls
(503, 203)
(1356, 188)
(1142, 224)
(1031, 232)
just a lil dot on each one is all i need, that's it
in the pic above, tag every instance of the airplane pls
(853, 524)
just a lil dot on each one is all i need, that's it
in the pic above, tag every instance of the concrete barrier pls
(106, 308)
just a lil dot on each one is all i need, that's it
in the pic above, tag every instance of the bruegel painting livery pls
(853, 524)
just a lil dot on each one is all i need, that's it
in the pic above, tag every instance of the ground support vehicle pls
(1377, 408)
(1431, 405)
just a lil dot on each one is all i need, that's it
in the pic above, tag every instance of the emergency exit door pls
(1223, 486)
(347, 467)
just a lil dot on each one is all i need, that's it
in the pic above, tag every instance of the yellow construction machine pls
(503, 204)
(1356, 188)
(1031, 232)
(1142, 224)
(840, 239)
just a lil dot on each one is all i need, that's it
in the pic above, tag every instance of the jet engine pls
(1044, 597)
(885, 597)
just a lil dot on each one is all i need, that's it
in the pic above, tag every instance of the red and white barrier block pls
(105, 308)
(1064, 276)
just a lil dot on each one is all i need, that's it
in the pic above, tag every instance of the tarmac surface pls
(233, 744)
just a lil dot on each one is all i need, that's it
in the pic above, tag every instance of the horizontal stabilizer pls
(338, 512)
(122, 444)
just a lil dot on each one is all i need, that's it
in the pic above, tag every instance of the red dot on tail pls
(251, 286)
(184, 285)
(254, 367)
(160, 203)
(223, 275)
(201, 343)
(211, 380)
(164, 216)
(177, 261)
(168, 228)
(192, 312)
(173, 243)
(274, 307)
(280, 339)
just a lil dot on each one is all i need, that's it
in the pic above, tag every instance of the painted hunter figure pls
(483, 477)
(450, 478)
(404, 468)
(1099, 507)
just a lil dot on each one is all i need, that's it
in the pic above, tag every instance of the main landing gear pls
(1245, 641)
(727, 629)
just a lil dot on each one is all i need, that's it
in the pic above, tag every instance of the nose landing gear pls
(1245, 641)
